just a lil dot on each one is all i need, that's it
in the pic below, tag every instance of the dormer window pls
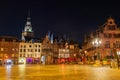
(111, 27)
(110, 22)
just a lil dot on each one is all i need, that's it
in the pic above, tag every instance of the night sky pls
(72, 18)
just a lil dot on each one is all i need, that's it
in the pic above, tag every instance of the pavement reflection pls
(57, 72)
(21, 71)
(8, 71)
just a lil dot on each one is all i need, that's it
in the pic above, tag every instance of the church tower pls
(27, 33)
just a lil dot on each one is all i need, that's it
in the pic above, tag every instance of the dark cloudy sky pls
(71, 17)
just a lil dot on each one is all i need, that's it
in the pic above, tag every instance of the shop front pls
(22, 61)
(36, 60)
(29, 60)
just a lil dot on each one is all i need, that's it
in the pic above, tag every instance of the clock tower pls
(27, 33)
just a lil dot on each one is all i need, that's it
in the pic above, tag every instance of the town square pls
(58, 72)
(59, 40)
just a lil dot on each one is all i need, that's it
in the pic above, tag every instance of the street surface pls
(58, 72)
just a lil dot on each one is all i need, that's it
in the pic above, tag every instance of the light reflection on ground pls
(8, 71)
(57, 72)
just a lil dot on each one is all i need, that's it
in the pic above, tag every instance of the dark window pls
(110, 22)
(38, 50)
(20, 55)
(107, 35)
(110, 35)
(117, 44)
(24, 50)
(114, 45)
(111, 27)
(107, 45)
(20, 50)
(116, 35)
(29, 45)
(35, 50)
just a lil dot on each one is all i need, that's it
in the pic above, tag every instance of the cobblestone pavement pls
(58, 72)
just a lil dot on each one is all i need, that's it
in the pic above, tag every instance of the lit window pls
(2, 49)
(38, 50)
(12, 55)
(13, 49)
(107, 45)
(16, 49)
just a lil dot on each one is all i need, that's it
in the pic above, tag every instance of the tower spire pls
(28, 32)
(28, 26)
(29, 18)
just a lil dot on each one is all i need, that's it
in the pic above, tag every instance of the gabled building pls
(104, 42)
(47, 53)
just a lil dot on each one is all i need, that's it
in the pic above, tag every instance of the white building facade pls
(29, 52)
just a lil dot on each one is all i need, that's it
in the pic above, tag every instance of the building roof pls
(8, 38)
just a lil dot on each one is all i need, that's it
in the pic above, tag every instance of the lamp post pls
(118, 55)
(96, 43)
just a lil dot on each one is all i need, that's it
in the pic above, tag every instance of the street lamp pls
(97, 42)
(118, 55)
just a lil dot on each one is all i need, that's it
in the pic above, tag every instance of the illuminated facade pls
(30, 47)
(27, 33)
(8, 50)
(63, 55)
(109, 37)
(55, 49)
(30, 52)
(68, 53)
(47, 52)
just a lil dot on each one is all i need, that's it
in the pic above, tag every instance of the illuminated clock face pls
(28, 28)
